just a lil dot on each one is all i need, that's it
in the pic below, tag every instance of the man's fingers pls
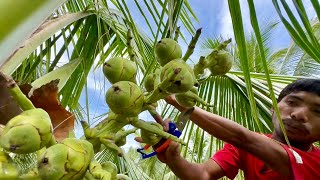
(138, 139)
(173, 147)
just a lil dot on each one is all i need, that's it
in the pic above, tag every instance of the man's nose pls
(300, 114)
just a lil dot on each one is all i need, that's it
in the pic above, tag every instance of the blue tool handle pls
(144, 155)
(172, 130)
(172, 127)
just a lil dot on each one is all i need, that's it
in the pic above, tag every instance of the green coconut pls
(125, 98)
(166, 50)
(27, 132)
(119, 69)
(152, 80)
(219, 62)
(67, 160)
(149, 82)
(110, 167)
(183, 81)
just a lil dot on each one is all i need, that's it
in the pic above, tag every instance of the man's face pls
(300, 113)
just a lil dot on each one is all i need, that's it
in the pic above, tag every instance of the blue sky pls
(214, 20)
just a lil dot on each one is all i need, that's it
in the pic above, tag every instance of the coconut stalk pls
(190, 98)
(176, 34)
(129, 46)
(192, 45)
(109, 136)
(120, 137)
(16, 93)
(150, 84)
(141, 124)
(200, 66)
(151, 108)
(9, 107)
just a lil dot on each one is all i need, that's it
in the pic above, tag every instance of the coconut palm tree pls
(84, 34)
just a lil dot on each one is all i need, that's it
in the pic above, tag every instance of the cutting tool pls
(174, 129)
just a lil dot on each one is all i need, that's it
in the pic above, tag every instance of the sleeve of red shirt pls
(229, 160)
(304, 165)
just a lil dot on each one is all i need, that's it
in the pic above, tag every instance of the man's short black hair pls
(307, 85)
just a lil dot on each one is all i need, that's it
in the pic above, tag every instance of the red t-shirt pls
(304, 165)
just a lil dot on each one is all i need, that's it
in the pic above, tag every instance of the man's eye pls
(317, 111)
(290, 102)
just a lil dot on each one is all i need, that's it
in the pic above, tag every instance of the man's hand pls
(170, 154)
(171, 99)
(173, 150)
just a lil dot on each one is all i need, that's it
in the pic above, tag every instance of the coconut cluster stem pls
(156, 116)
(16, 93)
(192, 45)
(192, 95)
(148, 127)
(200, 66)
(129, 46)
(106, 132)
(123, 134)
(176, 34)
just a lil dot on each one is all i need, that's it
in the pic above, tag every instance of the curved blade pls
(183, 119)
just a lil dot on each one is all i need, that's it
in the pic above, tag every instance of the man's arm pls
(264, 148)
(186, 170)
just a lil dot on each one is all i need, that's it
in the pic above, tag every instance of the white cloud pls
(225, 23)
(226, 28)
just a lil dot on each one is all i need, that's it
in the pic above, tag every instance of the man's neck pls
(302, 146)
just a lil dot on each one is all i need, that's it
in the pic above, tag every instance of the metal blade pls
(183, 119)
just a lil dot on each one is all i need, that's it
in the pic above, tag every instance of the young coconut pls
(120, 69)
(67, 160)
(110, 167)
(95, 171)
(183, 81)
(152, 80)
(125, 98)
(27, 132)
(219, 61)
(166, 50)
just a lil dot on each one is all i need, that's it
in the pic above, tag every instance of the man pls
(259, 156)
